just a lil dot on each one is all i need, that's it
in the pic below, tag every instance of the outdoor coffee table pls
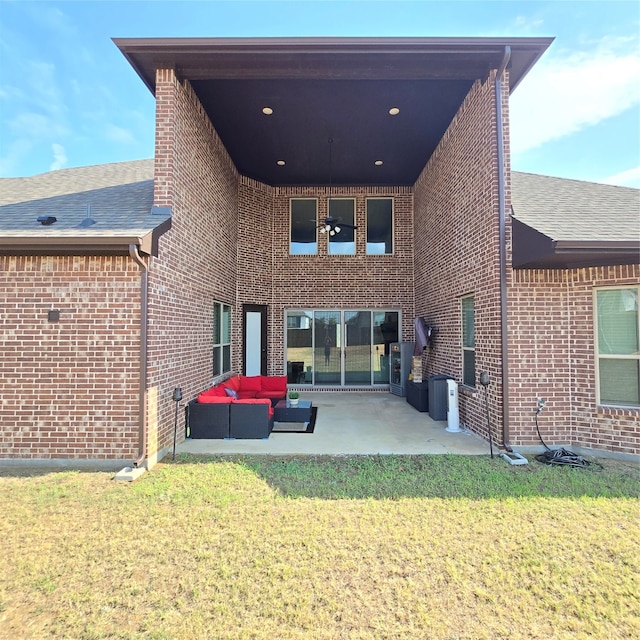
(284, 412)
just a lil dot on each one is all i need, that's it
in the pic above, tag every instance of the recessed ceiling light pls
(378, 163)
(267, 111)
(394, 111)
(281, 163)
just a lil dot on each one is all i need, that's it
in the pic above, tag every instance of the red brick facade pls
(196, 263)
(457, 250)
(552, 345)
(70, 388)
(229, 243)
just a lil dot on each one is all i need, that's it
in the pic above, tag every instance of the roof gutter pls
(142, 404)
(504, 343)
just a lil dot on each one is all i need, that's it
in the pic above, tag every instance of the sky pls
(69, 98)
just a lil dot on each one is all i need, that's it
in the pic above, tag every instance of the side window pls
(379, 226)
(468, 342)
(221, 338)
(618, 346)
(303, 227)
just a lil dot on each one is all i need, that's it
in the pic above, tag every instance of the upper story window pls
(342, 243)
(303, 228)
(379, 226)
(468, 341)
(221, 338)
(618, 346)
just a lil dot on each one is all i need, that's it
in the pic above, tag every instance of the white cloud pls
(563, 95)
(629, 178)
(59, 157)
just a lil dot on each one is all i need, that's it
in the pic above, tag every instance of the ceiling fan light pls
(323, 230)
(327, 227)
(332, 232)
(337, 229)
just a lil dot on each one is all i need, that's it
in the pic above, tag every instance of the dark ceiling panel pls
(339, 88)
(355, 114)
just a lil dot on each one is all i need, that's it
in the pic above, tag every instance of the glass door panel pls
(385, 331)
(299, 347)
(357, 347)
(328, 347)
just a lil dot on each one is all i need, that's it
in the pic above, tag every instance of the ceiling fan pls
(332, 225)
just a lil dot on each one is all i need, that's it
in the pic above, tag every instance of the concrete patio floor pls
(358, 423)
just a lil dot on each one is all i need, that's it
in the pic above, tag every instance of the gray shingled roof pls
(573, 210)
(118, 197)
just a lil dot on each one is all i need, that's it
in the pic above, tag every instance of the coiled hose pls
(562, 456)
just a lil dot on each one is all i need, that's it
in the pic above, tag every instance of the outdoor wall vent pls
(160, 211)
(45, 220)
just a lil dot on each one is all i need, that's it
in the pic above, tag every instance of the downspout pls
(503, 250)
(142, 404)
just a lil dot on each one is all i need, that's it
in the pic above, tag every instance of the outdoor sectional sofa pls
(240, 407)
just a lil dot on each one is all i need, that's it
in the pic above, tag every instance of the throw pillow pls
(231, 393)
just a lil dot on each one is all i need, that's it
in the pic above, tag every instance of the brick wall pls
(456, 224)
(196, 262)
(321, 281)
(230, 242)
(553, 350)
(69, 389)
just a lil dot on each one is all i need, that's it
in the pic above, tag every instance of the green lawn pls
(337, 547)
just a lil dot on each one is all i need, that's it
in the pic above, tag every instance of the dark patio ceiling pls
(338, 88)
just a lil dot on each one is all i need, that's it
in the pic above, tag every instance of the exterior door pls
(339, 347)
(254, 329)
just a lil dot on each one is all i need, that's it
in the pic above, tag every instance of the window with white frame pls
(221, 338)
(618, 345)
(468, 341)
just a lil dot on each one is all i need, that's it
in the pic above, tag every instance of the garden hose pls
(561, 456)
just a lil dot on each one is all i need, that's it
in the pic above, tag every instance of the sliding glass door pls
(339, 347)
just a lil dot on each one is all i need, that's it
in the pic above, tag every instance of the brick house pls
(223, 255)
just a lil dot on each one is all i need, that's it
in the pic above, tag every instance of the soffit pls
(338, 88)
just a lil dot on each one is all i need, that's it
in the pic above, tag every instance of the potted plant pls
(293, 398)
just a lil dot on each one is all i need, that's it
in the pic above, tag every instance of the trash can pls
(438, 396)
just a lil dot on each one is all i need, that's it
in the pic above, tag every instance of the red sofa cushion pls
(274, 383)
(271, 395)
(243, 394)
(250, 383)
(205, 398)
(232, 383)
(214, 391)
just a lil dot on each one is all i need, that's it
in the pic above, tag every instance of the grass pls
(346, 547)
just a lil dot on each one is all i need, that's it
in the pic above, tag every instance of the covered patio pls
(354, 423)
